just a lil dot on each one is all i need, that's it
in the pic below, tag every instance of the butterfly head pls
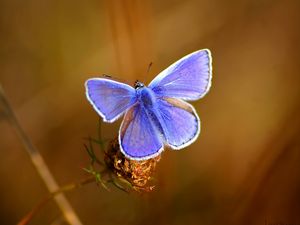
(138, 85)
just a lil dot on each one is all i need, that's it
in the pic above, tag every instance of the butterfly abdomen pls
(148, 101)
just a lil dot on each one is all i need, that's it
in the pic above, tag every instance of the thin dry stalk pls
(52, 195)
(40, 165)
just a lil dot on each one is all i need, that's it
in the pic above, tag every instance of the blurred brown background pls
(243, 169)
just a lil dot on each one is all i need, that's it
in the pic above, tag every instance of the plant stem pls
(39, 163)
(26, 219)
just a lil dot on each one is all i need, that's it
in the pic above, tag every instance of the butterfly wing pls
(109, 98)
(139, 138)
(180, 122)
(189, 78)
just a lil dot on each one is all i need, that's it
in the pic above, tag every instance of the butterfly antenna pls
(107, 76)
(149, 67)
(117, 79)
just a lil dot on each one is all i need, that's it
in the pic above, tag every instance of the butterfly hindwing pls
(109, 98)
(180, 122)
(139, 137)
(189, 78)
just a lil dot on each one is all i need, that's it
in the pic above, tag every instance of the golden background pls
(243, 169)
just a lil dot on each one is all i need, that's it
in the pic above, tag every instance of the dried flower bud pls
(138, 173)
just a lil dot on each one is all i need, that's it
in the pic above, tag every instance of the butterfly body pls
(146, 96)
(148, 102)
(155, 115)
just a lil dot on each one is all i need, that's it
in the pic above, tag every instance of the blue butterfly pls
(156, 115)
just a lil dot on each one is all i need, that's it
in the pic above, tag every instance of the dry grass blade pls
(39, 164)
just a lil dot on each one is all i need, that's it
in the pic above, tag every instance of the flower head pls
(138, 173)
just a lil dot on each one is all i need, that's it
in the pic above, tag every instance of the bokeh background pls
(243, 169)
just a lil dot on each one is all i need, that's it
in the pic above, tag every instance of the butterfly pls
(158, 114)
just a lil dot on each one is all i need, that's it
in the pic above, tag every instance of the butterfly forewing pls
(110, 98)
(189, 78)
